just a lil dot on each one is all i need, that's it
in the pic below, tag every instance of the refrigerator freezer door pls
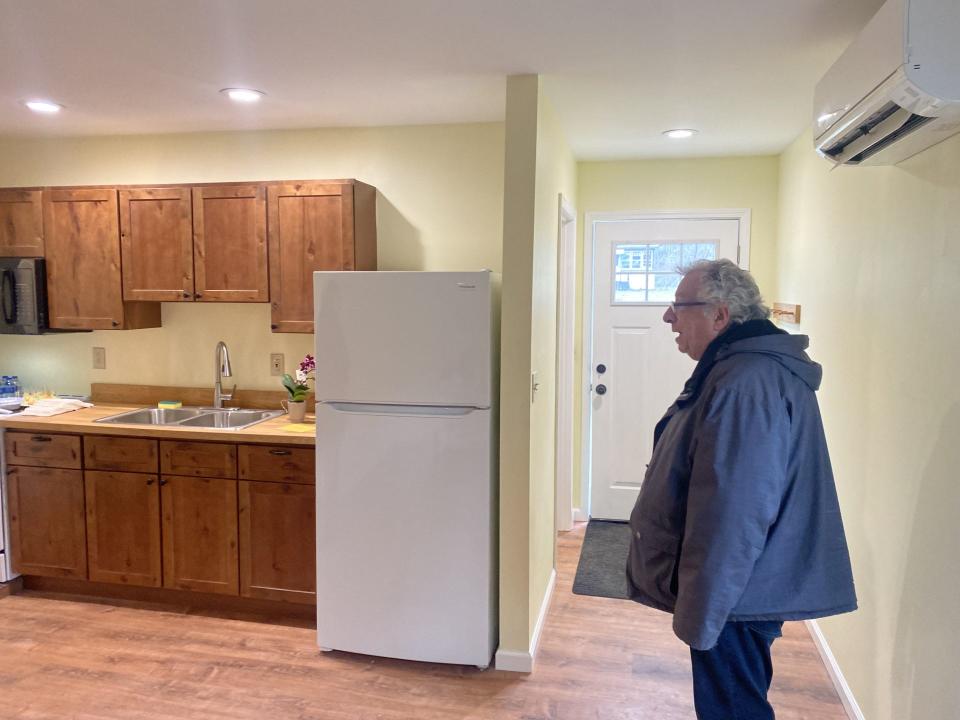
(421, 338)
(404, 533)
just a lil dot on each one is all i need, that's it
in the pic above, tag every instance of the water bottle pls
(6, 387)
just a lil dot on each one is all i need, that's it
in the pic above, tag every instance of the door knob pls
(601, 389)
(601, 368)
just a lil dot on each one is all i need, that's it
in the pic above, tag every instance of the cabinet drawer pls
(197, 459)
(43, 450)
(277, 464)
(124, 454)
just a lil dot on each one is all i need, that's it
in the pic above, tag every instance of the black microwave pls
(23, 296)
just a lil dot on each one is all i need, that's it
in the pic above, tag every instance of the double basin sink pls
(197, 417)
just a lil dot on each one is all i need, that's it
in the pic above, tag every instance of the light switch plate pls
(99, 358)
(276, 363)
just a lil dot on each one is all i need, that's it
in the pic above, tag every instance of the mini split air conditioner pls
(896, 90)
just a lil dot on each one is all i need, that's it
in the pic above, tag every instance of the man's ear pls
(721, 318)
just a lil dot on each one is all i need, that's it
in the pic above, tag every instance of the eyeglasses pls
(686, 303)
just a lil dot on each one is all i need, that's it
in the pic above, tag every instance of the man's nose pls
(669, 316)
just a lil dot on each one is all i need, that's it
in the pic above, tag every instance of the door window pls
(648, 273)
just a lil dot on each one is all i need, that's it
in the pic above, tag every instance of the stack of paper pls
(54, 406)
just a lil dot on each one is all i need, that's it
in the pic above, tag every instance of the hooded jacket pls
(737, 517)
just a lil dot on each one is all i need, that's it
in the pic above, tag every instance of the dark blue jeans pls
(730, 681)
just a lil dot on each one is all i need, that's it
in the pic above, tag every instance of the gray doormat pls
(603, 560)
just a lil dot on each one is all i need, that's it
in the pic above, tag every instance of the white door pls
(636, 371)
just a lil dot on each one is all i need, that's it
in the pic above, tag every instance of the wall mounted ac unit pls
(896, 90)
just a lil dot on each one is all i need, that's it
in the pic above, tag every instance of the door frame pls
(590, 219)
(566, 354)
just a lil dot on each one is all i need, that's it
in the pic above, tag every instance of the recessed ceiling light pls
(243, 95)
(680, 133)
(47, 107)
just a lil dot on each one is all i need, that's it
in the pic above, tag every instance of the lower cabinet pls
(169, 514)
(47, 534)
(200, 534)
(277, 546)
(123, 527)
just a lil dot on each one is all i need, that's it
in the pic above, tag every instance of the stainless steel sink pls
(229, 419)
(217, 418)
(153, 416)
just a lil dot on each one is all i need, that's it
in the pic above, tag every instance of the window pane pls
(666, 257)
(664, 287)
(699, 251)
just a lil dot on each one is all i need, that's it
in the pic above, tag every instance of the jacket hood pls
(788, 350)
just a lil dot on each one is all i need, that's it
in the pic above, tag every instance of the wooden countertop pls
(270, 432)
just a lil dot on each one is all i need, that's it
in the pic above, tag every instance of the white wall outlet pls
(276, 363)
(99, 358)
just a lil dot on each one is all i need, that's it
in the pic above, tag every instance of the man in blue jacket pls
(737, 526)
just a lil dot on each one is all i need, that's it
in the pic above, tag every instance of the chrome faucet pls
(222, 360)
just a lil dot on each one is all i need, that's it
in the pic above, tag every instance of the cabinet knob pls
(163, 482)
(273, 327)
(115, 323)
(149, 482)
(41, 438)
(280, 452)
(186, 294)
(198, 295)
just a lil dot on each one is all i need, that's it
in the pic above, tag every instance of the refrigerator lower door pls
(405, 536)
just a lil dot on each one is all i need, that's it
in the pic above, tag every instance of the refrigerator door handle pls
(389, 409)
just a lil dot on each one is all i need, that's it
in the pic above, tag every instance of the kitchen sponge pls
(169, 404)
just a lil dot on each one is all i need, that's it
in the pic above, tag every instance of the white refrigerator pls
(406, 522)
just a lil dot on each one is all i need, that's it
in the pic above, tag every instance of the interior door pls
(636, 369)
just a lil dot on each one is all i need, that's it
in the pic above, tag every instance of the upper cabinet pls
(82, 248)
(230, 243)
(21, 223)
(156, 244)
(316, 226)
(114, 254)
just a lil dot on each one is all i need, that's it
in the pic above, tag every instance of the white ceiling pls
(618, 72)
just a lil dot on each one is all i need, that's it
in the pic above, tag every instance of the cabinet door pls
(47, 535)
(123, 527)
(200, 534)
(311, 228)
(42, 449)
(230, 243)
(156, 244)
(198, 459)
(21, 223)
(82, 240)
(277, 541)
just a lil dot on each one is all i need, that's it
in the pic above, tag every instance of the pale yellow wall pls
(873, 256)
(702, 183)
(556, 174)
(439, 207)
(538, 167)
(519, 202)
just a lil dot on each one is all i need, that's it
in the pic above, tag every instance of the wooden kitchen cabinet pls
(278, 541)
(42, 449)
(315, 226)
(82, 250)
(230, 243)
(123, 527)
(21, 223)
(47, 531)
(200, 534)
(156, 244)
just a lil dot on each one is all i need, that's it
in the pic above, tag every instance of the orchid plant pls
(297, 388)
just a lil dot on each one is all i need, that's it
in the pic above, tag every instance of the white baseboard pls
(833, 669)
(579, 515)
(514, 661)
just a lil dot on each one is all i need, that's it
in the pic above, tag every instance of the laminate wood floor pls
(599, 658)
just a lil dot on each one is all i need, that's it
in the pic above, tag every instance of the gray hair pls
(725, 283)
